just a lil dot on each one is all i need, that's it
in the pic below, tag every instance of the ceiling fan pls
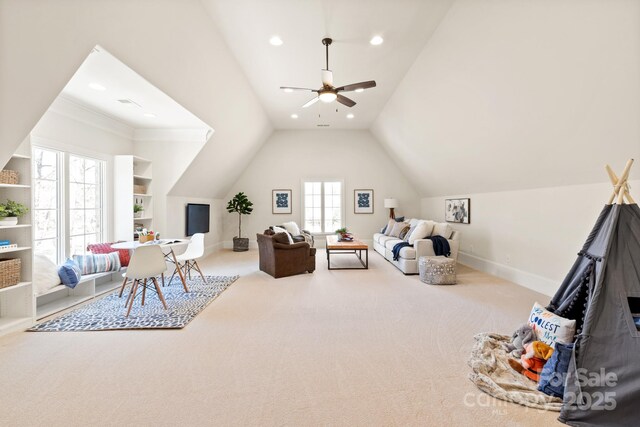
(329, 93)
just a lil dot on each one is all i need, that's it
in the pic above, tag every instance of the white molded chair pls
(187, 260)
(146, 263)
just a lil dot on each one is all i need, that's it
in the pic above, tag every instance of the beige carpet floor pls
(333, 348)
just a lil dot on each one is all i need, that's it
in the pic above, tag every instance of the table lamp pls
(391, 204)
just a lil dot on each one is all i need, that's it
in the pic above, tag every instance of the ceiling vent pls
(129, 102)
(323, 125)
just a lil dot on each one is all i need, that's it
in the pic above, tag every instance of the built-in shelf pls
(144, 178)
(14, 186)
(7, 227)
(141, 195)
(21, 156)
(144, 218)
(103, 288)
(14, 287)
(138, 159)
(18, 249)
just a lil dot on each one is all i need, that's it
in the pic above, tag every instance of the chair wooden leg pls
(130, 292)
(184, 282)
(124, 284)
(195, 263)
(155, 282)
(144, 290)
(162, 275)
(133, 297)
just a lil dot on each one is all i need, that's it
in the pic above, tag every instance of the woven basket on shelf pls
(139, 189)
(9, 272)
(8, 176)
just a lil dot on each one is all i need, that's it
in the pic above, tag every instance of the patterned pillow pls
(105, 248)
(390, 225)
(397, 229)
(69, 273)
(404, 232)
(98, 263)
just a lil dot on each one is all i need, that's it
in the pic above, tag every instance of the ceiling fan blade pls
(327, 77)
(296, 88)
(313, 101)
(345, 101)
(354, 86)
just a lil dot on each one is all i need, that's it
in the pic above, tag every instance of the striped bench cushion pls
(98, 263)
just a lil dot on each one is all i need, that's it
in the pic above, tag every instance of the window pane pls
(76, 196)
(90, 221)
(90, 171)
(47, 248)
(76, 169)
(76, 222)
(46, 224)
(45, 195)
(45, 164)
(90, 196)
(77, 246)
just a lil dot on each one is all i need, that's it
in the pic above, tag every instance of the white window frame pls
(342, 204)
(63, 208)
(60, 222)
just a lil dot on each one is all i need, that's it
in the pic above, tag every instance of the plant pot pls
(240, 244)
(8, 221)
(138, 214)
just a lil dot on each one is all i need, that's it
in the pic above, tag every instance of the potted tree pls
(241, 205)
(10, 212)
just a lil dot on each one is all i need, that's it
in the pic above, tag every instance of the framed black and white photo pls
(281, 200)
(457, 210)
(363, 201)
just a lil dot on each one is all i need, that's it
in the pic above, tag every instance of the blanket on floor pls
(493, 375)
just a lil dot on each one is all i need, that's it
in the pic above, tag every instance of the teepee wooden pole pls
(614, 180)
(622, 182)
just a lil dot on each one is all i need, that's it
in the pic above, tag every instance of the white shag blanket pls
(493, 375)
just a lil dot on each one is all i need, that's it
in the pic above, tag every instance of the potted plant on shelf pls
(241, 205)
(10, 212)
(138, 210)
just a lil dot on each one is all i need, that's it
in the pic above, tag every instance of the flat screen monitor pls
(197, 218)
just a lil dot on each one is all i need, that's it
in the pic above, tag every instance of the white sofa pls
(408, 259)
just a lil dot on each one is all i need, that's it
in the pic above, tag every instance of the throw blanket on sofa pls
(440, 247)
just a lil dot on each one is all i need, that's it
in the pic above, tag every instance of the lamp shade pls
(390, 203)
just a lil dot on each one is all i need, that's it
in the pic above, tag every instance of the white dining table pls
(164, 244)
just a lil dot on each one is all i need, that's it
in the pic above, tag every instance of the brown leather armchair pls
(281, 259)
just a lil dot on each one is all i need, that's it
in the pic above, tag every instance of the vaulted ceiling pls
(248, 25)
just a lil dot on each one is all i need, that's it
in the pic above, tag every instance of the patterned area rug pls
(108, 313)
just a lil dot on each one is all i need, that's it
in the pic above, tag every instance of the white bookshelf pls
(16, 302)
(132, 171)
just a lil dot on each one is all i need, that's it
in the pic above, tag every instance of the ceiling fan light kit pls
(329, 93)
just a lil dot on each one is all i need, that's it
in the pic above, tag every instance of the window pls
(323, 204)
(46, 203)
(68, 203)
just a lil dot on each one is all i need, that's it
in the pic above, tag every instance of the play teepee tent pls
(602, 293)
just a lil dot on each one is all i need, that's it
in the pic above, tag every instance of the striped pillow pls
(98, 263)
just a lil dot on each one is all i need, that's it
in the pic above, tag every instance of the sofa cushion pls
(397, 228)
(45, 274)
(408, 253)
(384, 239)
(422, 230)
(282, 230)
(389, 244)
(105, 248)
(292, 228)
(69, 273)
(98, 263)
(377, 236)
(281, 238)
(390, 224)
(442, 229)
(404, 232)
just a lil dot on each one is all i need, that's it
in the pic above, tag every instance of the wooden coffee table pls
(356, 247)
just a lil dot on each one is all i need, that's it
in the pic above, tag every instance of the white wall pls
(289, 157)
(530, 236)
(172, 44)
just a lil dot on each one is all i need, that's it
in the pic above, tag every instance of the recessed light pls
(97, 86)
(288, 90)
(376, 40)
(294, 116)
(276, 41)
(149, 115)
(350, 116)
(359, 90)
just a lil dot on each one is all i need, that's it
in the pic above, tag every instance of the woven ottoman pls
(437, 270)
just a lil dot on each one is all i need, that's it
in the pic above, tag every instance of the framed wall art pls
(363, 201)
(457, 210)
(281, 201)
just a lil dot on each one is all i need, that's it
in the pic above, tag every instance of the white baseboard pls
(523, 278)
(228, 244)
(208, 250)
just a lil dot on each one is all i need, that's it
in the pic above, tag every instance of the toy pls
(521, 337)
(532, 361)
